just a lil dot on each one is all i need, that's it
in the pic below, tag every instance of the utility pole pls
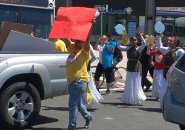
(150, 17)
(54, 8)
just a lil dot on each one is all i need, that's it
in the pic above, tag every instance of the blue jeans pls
(76, 89)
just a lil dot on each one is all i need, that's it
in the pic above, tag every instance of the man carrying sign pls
(78, 59)
(78, 78)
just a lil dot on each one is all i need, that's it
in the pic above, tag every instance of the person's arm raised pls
(140, 48)
(160, 46)
(96, 44)
(87, 44)
(67, 42)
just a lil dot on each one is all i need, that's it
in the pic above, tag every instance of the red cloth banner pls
(73, 22)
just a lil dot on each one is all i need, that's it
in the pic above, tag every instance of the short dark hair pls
(176, 40)
(109, 36)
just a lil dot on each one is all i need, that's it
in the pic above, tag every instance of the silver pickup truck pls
(27, 77)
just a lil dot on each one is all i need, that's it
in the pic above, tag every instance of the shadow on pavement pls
(64, 108)
(151, 99)
(40, 120)
(115, 104)
(118, 91)
(92, 109)
(43, 120)
(47, 129)
(151, 109)
(55, 108)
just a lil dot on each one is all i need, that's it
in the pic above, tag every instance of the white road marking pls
(108, 118)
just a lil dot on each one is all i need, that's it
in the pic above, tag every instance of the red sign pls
(73, 22)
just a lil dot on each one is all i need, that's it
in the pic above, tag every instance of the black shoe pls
(108, 92)
(88, 122)
(147, 89)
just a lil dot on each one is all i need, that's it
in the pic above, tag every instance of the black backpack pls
(118, 54)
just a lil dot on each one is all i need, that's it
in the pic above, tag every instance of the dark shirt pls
(145, 59)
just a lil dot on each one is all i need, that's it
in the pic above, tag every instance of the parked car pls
(174, 99)
(30, 71)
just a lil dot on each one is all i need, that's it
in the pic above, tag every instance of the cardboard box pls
(7, 26)
(20, 42)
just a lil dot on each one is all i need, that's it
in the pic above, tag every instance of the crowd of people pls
(142, 58)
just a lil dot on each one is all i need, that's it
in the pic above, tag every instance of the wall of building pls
(126, 12)
(172, 14)
(36, 13)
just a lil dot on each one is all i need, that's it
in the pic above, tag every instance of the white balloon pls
(159, 27)
(119, 28)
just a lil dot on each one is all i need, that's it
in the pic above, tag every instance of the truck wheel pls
(19, 105)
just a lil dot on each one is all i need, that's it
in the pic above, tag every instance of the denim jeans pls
(76, 90)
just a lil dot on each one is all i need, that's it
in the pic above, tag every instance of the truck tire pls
(19, 105)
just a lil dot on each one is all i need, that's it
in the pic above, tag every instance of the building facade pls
(38, 13)
(139, 13)
(172, 14)
(130, 13)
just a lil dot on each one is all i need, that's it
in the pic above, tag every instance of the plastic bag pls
(89, 95)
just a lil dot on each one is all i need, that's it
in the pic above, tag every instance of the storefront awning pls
(170, 11)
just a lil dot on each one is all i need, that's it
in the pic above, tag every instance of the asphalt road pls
(110, 114)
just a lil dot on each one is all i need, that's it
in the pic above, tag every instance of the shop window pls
(142, 23)
(174, 26)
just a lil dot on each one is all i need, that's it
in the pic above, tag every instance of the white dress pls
(162, 91)
(133, 92)
(157, 78)
(95, 94)
(157, 83)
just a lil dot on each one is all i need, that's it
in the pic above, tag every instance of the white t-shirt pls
(100, 49)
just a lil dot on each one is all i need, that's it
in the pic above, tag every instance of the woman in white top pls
(133, 92)
(172, 53)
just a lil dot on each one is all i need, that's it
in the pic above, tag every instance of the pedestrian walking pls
(133, 92)
(107, 62)
(105, 46)
(78, 79)
(172, 53)
(146, 62)
(100, 44)
(147, 66)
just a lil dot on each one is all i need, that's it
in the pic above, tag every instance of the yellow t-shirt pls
(60, 46)
(76, 65)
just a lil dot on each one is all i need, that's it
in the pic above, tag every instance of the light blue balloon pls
(159, 27)
(119, 28)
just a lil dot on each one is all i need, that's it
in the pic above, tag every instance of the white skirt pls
(133, 92)
(162, 91)
(157, 83)
(95, 94)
